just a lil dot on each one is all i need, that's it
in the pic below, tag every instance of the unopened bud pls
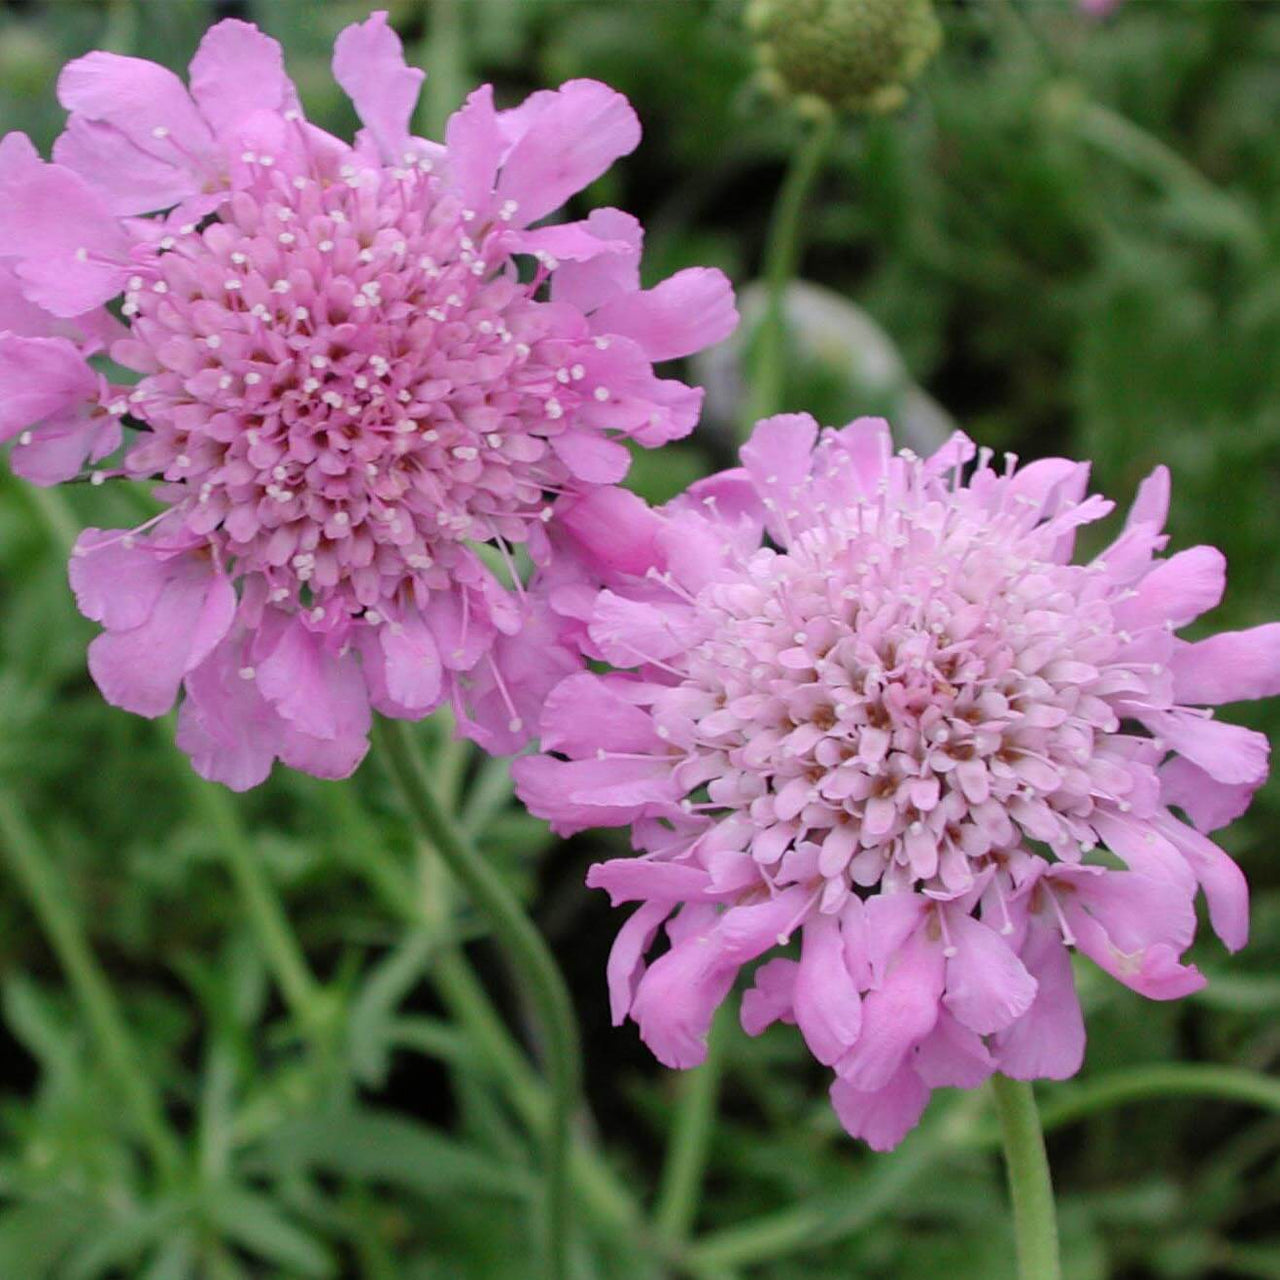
(851, 55)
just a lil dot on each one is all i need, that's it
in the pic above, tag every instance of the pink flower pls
(867, 704)
(346, 384)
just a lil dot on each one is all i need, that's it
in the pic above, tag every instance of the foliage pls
(1072, 238)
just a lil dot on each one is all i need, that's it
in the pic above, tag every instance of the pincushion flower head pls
(358, 365)
(869, 721)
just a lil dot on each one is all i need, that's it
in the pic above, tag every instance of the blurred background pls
(1068, 241)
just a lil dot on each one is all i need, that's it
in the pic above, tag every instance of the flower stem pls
(1030, 1185)
(676, 1210)
(266, 913)
(66, 935)
(528, 952)
(782, 253)
(444, 56)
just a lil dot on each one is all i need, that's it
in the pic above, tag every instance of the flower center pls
(902, 697)
(345, 380)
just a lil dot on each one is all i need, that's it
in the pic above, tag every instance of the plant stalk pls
(530, 955)
(1035, 1225)
(781, 257)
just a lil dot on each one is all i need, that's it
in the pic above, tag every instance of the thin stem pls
(530, 955)
(1035, 1225)
(680, 1191)
(782, 254)
(66, 935)
(444, 55)
(266, 913)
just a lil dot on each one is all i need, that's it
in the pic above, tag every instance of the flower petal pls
(368, 62)
(569, 140)
(686, 312)
(236, 71)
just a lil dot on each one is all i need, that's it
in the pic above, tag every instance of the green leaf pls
(360, 1143)
(251, 1220)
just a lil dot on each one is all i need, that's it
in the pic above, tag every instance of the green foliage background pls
(1071, 240)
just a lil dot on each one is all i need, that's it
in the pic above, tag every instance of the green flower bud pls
(851, 55)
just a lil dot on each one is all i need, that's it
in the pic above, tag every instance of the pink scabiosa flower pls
(363, 378)
(867, 704)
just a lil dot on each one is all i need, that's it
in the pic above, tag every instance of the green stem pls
(782, 253)
(444, 56)
(52, 903)
(612, 1205)
(680, 1191)
(1035, 1225)
(266, 913)
(530, 955)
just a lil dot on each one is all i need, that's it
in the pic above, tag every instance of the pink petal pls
(1232, 666)
(677, 998)
(629, 632)
(59, 446)
(687, 312)
(128, 179)
(777, 455)
(869, 446)
(40, 377)
(236, 71)
(574, 136)
(1047, 1042)
(224, 725)
(591, 457)
(368, 62)
(884, 1116)
(1151, 504)
(635, 879)
(587, 282)
(586, 712)
(616, 530)
(569, 242)
(474, 145)
(770, 998)
(141, 669)
(987, 986)
(116, 582)
(338, 756)
(318, 693)
(1177, 590)
(897, 1015)
(73, 251)
(952, 1057)
(827, 1008)
(1227, 752)
(1224, 885)
(626, 956)
(138, 98)
(1210, 804)
(578, 794)
(412, 664)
